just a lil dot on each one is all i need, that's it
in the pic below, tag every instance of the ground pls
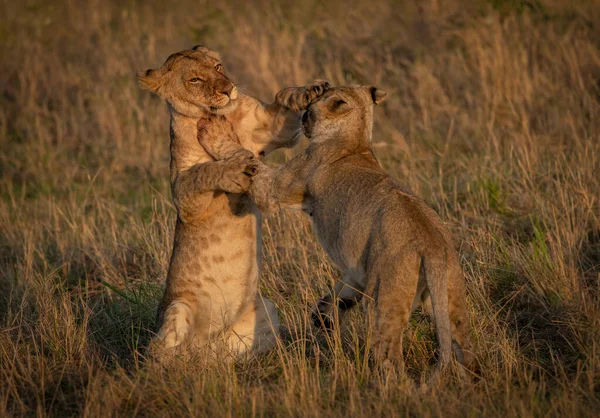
(492, 116)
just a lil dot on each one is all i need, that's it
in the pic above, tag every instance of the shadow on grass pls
(123, 322)
(541, 323)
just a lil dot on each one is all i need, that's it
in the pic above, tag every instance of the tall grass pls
(493, 117)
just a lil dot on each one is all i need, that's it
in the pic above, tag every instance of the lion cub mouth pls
(229, 105)
(306, 124)
(225, 108)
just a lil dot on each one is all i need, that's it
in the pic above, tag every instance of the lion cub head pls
(342, 111)
(193, 82)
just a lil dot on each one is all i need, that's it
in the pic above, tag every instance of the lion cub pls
(211, 297)
(393, 249)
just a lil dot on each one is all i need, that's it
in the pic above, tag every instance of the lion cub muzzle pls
(226, 88)
(225, 93)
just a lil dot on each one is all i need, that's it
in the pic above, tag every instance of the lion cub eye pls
(337, 105)
(219, 68)
(195, 80)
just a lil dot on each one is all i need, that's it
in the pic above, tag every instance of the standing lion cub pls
(211, 296)
(393, 249)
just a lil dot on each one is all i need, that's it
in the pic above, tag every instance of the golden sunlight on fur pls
(492, 118)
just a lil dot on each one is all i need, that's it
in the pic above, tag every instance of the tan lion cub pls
(394, 250)
(211, 295)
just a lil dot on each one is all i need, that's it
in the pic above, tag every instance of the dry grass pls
(493, 117)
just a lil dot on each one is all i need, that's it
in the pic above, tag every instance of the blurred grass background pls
(493, 117)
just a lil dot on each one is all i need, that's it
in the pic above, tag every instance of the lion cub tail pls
(435, 275)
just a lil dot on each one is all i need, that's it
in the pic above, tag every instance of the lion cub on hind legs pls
(211, 297)
(394, 250)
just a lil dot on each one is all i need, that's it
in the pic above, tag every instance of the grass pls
(493, 117)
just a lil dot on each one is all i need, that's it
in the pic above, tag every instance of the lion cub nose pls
(229, 90)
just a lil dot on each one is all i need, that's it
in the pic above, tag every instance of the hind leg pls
(393, 290)
(255, 330)
(341, 298)
(389, 319)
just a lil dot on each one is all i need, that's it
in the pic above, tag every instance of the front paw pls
(246, 161)
(322, 314)
(218, 139)
(237, 176)
(262, 192)
(322, 321)
(300, 98)
(214, 129)
(243, 155)
(316, 89)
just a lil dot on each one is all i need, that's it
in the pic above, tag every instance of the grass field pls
(492, 116)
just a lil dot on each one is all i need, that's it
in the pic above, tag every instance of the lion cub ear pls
(149, 80)
(378, 95)
(207, 51)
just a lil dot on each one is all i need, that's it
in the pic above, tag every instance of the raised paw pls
(214, 127)
(202, 125)
(246, 159)
(317, 88)
(242, 155)
(262, 192)
(300, 98)
(219, 140)
(237, 175)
